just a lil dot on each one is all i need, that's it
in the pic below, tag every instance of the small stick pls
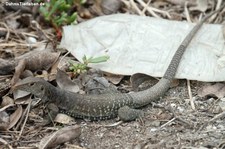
(187, 14)
(190, 95)
(27, 113)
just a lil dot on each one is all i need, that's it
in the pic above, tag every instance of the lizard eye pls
(42, 88)
(31, 84)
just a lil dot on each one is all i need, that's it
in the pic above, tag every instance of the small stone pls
(181, 109)
(31, 40)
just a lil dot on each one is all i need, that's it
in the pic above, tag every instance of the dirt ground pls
(170, 123)
(174, 121)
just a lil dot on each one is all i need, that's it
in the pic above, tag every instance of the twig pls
(190, 95)
(63, 58)
(168, 108)
(222, 114)
(7, 29)
(18, 44)
(189, 124)
(187, 14)
(152, 10)
(218, 5)
(38, 27)
(167, 123)
(17, 32)
(12, 15)
(149, 9)
(177, 2)
(5, 107)
(145, 8)
(219, 2)
(133, 4)
(27, 113)
(216, 117)
(114, 124)
(5, 143)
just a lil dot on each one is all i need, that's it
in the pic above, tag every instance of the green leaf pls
(83, 1)
(72, 18)
(98, 59)
(56, 5)
(84, 58)
(59, 20)
(44, 10)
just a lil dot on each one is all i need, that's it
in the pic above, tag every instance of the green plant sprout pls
(56, 12)
(59, 12)
(79, 68)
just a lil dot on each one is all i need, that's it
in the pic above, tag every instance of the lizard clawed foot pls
(128, 114)
(51, 114)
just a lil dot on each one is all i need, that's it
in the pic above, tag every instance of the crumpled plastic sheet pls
(140, 44)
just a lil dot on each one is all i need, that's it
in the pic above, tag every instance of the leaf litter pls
(169, 123)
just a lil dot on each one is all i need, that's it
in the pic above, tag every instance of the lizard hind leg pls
(129, 114)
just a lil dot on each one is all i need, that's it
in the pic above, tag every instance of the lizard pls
(109, 105)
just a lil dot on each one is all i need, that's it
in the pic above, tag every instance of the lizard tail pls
(145, 97)
(172, 69)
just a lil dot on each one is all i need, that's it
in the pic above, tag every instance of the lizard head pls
(36, 86)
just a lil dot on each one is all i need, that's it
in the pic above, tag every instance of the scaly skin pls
(105, 106)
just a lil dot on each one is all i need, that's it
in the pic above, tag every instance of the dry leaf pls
(20, 94)
(61, 136)
(64, 82)
(63, 118)
(96, 8)
(6, 100)
(23, 100)
(6, 67)
(202, 5)
(2, 141)
(53, 71)
(110, 6)
(175, 83)
(15, 116)
(182, 2)
(27, 73)
(98, 85)
(5, 107)
(115, 79)
(4, 88)
(4, 120)
(217, 89)
(139, 79)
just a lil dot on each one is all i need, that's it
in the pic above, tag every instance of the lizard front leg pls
(129, 114)
(52, 111)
